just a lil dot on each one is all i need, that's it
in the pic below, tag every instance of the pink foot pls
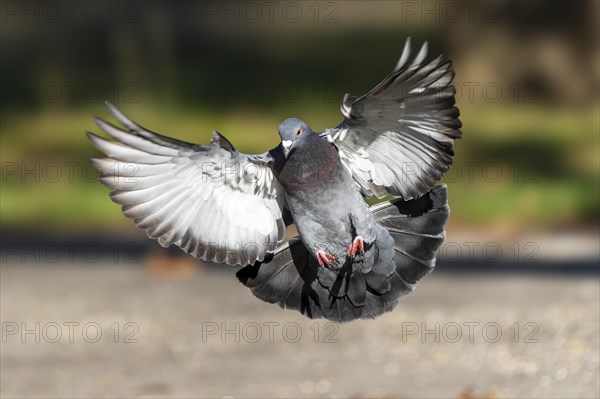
(324, 258)
(357, 246)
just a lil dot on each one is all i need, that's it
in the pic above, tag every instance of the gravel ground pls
(200, 333)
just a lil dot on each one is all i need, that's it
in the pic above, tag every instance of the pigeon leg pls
(324, 258)
(357, 246)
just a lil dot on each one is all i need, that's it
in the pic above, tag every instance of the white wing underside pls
(212, 201)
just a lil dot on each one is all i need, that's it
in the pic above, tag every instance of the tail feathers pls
(416, 238)
(410, 232)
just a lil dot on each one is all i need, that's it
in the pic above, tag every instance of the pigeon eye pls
(298, 132)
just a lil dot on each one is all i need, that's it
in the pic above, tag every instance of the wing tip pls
(118, 115)
(95, 139)
(101, 123)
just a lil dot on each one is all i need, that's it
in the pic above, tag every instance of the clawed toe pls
(357, 247)
(324, 258)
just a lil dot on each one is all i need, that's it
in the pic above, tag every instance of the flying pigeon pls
(349, 260)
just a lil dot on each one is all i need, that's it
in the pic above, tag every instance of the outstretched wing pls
(397, 139)
(212, 201)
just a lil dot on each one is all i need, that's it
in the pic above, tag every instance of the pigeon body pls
(349, 260)
(327, 208)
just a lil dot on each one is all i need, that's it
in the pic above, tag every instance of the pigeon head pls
(292, 131)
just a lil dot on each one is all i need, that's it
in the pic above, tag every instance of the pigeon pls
(349, 260)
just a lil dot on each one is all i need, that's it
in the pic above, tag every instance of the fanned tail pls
(408, 235)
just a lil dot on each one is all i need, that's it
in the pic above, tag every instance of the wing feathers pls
(398, 137)
(212, 201)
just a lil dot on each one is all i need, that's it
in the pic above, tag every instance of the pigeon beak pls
(287, 146)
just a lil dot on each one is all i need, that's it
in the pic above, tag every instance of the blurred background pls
(521, 252)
